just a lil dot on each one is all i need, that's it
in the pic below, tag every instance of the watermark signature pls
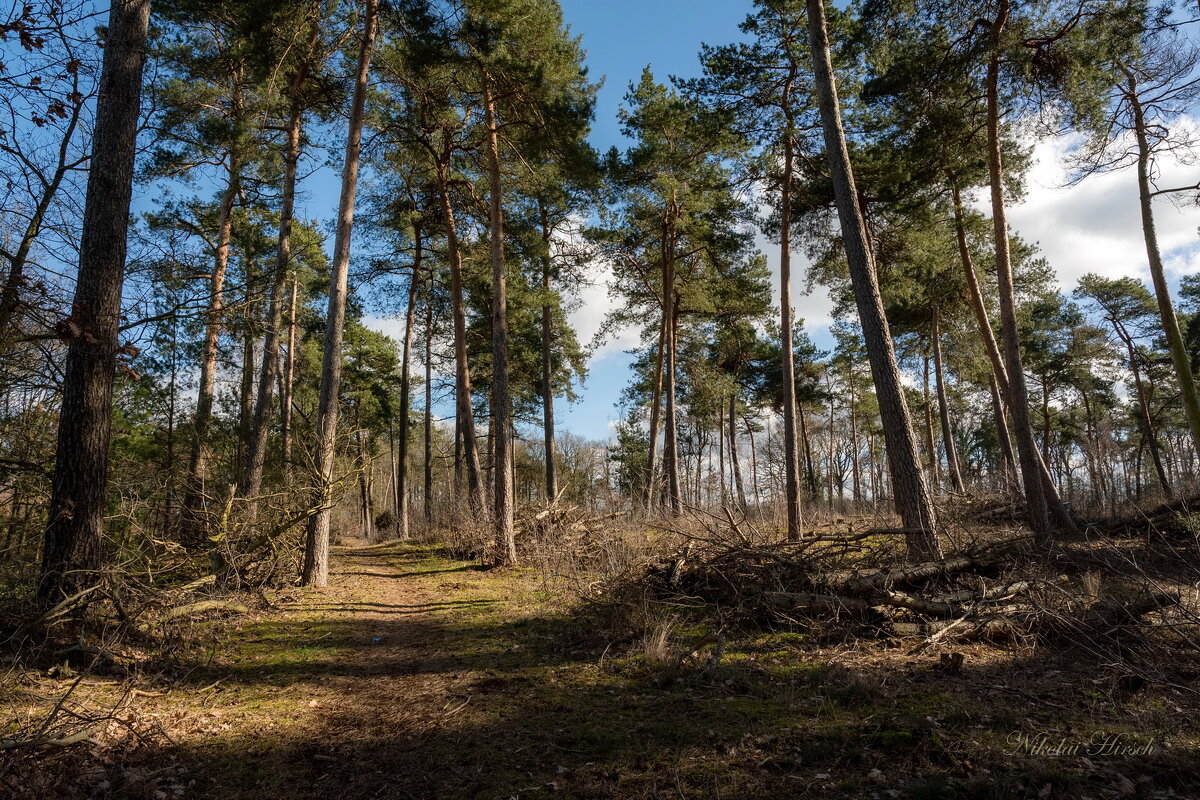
(1100, 743)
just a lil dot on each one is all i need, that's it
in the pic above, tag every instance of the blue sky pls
(621, 38)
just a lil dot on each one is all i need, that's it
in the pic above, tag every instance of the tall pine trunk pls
(671, 428)
(429, 400)
(261, 426)
(655, 414)
(502, 497)
(246, 391)
(316, 546)
(734, 458)
(1166, 309)
(913, 501)
(71, 553)
(1147, 423)
(1041, 498)
(547, 376)
(952, 463)
(466, 442)
(195, 523)
(286, 381)
(406, 393)
(791, 464)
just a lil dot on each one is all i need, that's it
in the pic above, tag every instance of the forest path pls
(411, 675)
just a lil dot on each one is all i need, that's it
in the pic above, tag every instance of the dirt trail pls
(342, 687)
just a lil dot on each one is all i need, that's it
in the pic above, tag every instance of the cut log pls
(867, 581)
(997, 592)
(807, 601)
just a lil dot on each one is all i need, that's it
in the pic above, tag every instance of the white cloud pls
(1095, 225)
(815, 307)
(595, 303)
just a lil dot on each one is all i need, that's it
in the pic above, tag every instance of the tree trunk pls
(286, 382)
(722, 493)
(935, 477)
(809, 470)
(795, 519)
(366, 513)
(855, 475)
(1166, 309)
(753, 464)
(467, 445)
(999, 371)
(1041, 499)
(74, 531)
(913, 501)
(257, 446)
(547, 377)
(656, 413)
(406, 392)
(1008, 457)
(829, 473)
(734, 459)
(316, 546)
(246, 391)
(429, 400)
(1047, 419)
(1144, 417)
(952, 463)
(195, 524)
(670, 434)
(506, 547)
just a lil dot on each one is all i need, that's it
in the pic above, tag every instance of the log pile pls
(987, 591)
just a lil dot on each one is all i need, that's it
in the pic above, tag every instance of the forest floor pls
(418, 676)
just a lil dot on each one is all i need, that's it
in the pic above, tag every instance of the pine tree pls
(72, 554)
(912, 497)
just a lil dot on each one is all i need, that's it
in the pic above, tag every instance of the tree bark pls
(851, 406)
(286, 383)
(195, 524)
(257, 445)
(1166, 309)
(792, 501)
(913, 501)
(547, 377)
(1041, 499)
(71, 553)
(952, 463)
(506, 547)
(1144, 415)
(246, 393)
(406, 392)
(429, 400)
(316, 546)
(734, 458)
(999, 371)
(670, 434)
(466, 442)
(656, 414)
